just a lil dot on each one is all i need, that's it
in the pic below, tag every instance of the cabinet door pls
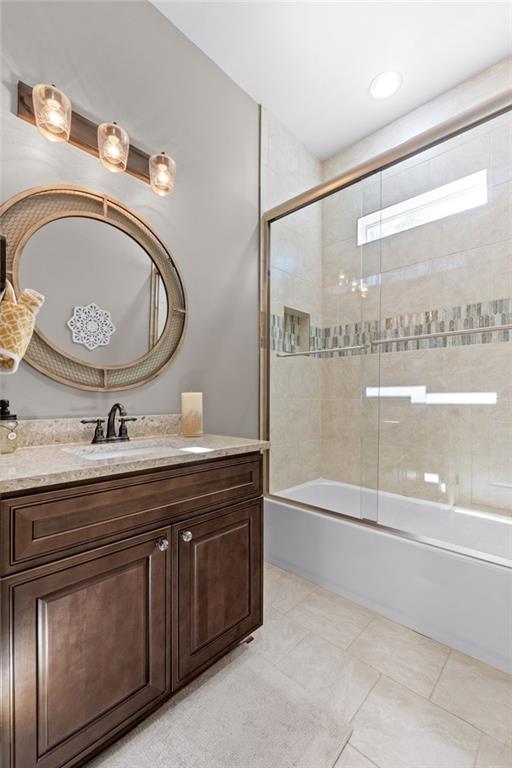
(90, 649)
(218, 577)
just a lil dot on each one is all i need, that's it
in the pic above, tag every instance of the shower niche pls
(297, 330)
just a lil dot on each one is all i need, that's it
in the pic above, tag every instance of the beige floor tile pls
(398, 729)
(271, 578)
(335, 680)
(278, 634)
(493, 754)
(283, 590)
(351, 758)
(480, 694)
(250, 716)
(332, 617)
(405, 656)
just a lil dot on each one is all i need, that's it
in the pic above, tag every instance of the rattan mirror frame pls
(22, 215)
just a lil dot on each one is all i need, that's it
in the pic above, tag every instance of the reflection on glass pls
(420, 395)
(460, 195)
(77, 261)
(158, 307)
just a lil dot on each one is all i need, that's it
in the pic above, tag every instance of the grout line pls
(295, 605)
(467, 722)
(373, 618)
(452, 714)
(362, 754)
(276, 661)
(366, 697)
(347, 649)
(477, 750)
(440, 675)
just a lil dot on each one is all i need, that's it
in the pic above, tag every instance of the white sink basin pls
(131, 451)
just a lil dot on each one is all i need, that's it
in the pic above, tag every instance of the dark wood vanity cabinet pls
(217, 586)
(92, 642)
(91, 648)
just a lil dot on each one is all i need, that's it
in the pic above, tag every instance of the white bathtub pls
(477, 532)
(457, 599)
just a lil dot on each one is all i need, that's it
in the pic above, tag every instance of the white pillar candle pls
(191, 414)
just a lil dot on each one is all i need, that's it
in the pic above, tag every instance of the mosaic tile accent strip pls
(289, 341)
(464, 317)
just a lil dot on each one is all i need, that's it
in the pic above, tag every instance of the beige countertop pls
(46, 465)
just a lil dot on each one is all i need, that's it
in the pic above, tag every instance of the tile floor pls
(412, 702)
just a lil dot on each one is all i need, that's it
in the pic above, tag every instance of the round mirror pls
(115, 313)
(105, 301)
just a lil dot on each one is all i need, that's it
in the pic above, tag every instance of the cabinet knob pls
(186, 535)
(162, 544)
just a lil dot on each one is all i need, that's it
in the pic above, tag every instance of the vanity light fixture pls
(113, 146)
(162, 172)
(52, 112)
(385, 85)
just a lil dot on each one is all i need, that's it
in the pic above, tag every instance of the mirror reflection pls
(105, 301)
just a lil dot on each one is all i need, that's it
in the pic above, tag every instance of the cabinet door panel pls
(95, 637)
(218, 585)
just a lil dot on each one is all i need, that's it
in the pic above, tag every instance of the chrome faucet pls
(99, 435)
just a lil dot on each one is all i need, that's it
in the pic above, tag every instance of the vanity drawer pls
(40, 526)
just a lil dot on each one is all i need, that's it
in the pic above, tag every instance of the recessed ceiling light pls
(385, 84)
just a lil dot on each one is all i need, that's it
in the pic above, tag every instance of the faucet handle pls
(99, 434)
(123, 431)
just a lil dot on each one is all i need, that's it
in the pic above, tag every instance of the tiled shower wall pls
(450, 274)
(457, 270)
(288, 168)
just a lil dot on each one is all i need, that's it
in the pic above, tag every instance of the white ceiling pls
(311, 64)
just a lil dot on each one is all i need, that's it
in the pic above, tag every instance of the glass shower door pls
(351, 300)
(445, 445)
(391, 347)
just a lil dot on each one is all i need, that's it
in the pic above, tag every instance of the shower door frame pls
(438, 134)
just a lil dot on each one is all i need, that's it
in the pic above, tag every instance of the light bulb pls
(113, 146)
(54, 114)
(162, 171)
(52, 111)
(163, 176)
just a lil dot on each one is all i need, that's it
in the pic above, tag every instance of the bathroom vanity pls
(129, 566)
(118, 587)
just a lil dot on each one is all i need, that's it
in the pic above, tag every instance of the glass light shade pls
(113, 146)
(162, 172)
(52, 110)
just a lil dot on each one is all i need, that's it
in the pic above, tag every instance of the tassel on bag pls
(17, 320)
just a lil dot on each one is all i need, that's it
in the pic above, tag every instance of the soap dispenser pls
(8, 427)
